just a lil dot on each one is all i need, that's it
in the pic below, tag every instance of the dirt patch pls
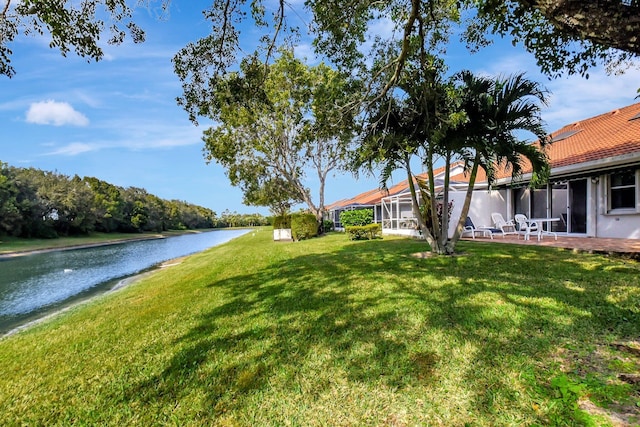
(612, 363)
(632, 347)
(618, 417)
(424, 255)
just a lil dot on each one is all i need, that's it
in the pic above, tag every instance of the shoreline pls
(170, 233)
(122, 284)
(14, 254)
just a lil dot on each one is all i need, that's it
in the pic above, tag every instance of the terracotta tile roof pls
(373, 197)
(335, 204)
(481, 176)
(601, 137)
(608, 135)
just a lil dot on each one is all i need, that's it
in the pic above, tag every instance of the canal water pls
(32, 286)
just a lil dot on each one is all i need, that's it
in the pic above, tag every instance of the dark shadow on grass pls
(356, 307)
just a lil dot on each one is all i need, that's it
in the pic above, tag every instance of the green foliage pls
(271, 191)
(74, 26)
(364, 232)
(303, 226)
(568, 393)
(327, 225)
(600, 32)
(356, 217)
(35, 203)
(275, 122)
(282, 221)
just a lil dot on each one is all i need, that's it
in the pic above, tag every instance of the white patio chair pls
(526, 227)
(505, 227)
(470, 228)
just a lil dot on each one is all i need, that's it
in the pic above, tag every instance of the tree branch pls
(6, 9)
(404, 52)
(612, 23)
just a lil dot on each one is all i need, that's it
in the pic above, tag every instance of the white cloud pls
(73, 149)
(575, 98)
(55, 113)
(145, 135)
(305, 52)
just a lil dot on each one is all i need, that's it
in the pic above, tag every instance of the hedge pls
(356, 217)
(282, 222)
(364, 232)
(303, 226)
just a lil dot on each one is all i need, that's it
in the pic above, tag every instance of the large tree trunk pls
(444, 227)
(415, 207)
(609, 23)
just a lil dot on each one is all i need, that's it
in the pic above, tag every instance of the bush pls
(303, 226)
(364, 232)
(356, 217)
(327, 225)
(282, 221)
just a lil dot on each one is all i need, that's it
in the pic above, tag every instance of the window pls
(622, 190)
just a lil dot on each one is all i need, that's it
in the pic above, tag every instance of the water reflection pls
(34, 284)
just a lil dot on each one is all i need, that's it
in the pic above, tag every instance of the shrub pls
(283, 221)
(356, 217)
(303, 226)
(426, 212)
(364, 232)
(327, 225)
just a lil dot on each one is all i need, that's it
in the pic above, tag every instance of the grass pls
(16, 244)
(335, 332)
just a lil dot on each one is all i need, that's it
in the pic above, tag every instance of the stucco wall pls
(611, 225)
(618, 226)
(483, 203)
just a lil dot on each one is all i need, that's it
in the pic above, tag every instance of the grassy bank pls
(334, 332)
(17, 245)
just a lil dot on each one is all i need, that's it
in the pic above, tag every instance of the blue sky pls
(117, 119)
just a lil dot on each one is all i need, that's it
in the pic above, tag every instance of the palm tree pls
(497, 111)
(475, 119)
(403, 125)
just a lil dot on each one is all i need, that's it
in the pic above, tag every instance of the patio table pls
(541, 231)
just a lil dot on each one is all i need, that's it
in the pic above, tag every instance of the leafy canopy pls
(276, 123)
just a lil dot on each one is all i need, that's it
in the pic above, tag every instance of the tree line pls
(36, 203)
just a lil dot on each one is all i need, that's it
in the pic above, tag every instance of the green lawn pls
(335, 332)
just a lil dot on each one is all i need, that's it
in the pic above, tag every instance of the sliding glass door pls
(559, 206)
(577, 209)
(566, 200)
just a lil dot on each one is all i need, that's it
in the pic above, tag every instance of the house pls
(368, 200)
(593, 189)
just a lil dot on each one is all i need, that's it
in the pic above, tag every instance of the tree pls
(498, 111)
(579, 32)
(10, 217)
(466, 118)
(108, 205)
(136, 211)
(271, 191)
(564, 35)
(70, 25)
(616, 23)
(34, 203)
(410, 121)
(276, 123)
(32, 207)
